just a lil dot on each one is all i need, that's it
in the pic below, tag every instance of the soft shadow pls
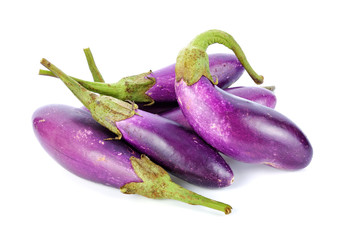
(246, 172)
(243, 174)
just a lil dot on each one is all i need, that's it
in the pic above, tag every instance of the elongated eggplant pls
(77, 142)
(179, 151)
(258, 95)
(239, 128)
(157, 86)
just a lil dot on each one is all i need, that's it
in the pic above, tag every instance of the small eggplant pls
(156, 86)
(78, 143)
(258, 95)
(178, 151)
(240, 129)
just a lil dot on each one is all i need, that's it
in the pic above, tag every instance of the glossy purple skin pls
(256, 94)
(76, 141)
(241, 129)
(180, 152)
(225, 67)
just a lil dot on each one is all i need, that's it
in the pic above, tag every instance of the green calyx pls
(97, 76)
(157, 184)
(104, 109)
(132, 88)
(192, 62)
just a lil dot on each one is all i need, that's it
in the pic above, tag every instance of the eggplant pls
(78, 143)
(258, 95)
(156, 86)
(179, 151)
(240, 129)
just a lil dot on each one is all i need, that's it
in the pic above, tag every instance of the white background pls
(294, 44)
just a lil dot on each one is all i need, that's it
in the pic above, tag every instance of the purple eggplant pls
(240, 129)
(179, 151)
(156, 86)
(77, 142)
(258, 95)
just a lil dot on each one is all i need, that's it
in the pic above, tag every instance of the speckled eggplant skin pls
(225, 67)
(180, 152)
(77, 142)
(241, 129)
(256, 94)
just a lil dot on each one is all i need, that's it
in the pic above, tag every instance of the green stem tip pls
(97, 76)
(192, 61)
(157, 184)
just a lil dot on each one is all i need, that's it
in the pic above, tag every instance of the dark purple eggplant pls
(156, 86)
(179, 151)
(78, 143)
(258, 95)
(158, 107)
(240, 129)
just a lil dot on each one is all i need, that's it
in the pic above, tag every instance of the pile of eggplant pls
(178, 120)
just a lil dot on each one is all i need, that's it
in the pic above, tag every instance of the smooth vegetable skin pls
(240, 129)
(77, 142)
(179, 151)
(72, 137)
(255, 94)
(157, 86)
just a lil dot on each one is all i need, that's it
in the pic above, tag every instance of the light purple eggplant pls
(72, 137)
(258, 95)
(78, 143)
(156, 86)
(179, 151)
(240, 129)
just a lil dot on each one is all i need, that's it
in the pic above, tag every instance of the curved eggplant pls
(240, 129)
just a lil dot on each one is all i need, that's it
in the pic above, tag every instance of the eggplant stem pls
(210, 37)
(50, 74)
(97, 76)
(157, 184)
(85, 96)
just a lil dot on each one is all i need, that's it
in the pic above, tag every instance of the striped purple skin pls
(241, 129)
(225, 67)
(256, 94)
(180, 152)
(77, 142)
